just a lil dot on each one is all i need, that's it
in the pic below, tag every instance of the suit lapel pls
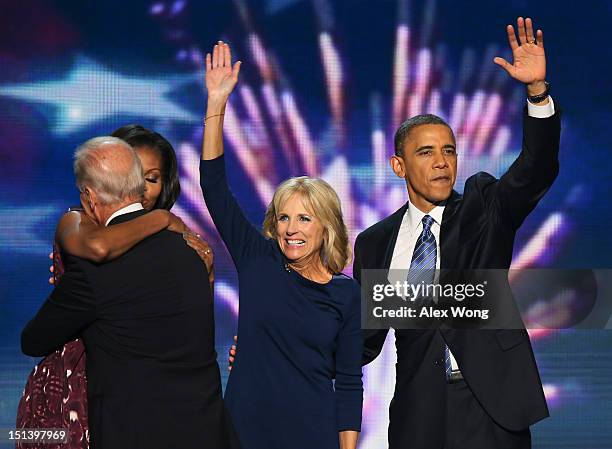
(393, 230)
(449, 231)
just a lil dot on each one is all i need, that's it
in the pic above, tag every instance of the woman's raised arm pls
(221, 78)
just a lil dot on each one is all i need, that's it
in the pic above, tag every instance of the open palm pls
(529, 63)
(221, 77)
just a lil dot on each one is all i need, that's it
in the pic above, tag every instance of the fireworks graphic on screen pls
(270, 135)
(264, 123)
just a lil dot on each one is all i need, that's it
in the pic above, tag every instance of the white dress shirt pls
(125, 210)
(412, 225)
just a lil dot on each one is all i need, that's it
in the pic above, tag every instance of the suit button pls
(437, 362)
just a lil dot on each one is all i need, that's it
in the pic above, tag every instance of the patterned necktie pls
(422, 269)
(424, 256)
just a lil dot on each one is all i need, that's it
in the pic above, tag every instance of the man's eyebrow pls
(424, 147)
(430, 147)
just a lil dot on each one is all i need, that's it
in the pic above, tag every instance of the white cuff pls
(541, 111)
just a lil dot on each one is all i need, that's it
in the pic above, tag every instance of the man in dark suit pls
(146, 320)
(464, 389)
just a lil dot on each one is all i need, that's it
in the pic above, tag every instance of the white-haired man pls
(146, 320)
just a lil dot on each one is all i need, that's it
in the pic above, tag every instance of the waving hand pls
(221, 77)
(529, 61)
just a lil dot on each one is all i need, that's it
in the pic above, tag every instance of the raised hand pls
(221, 77)
(529, 65)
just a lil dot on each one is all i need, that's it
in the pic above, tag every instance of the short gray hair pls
(404, 130)
(113, 183)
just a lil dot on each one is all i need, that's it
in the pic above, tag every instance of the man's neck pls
(114, 210)
(422, 205)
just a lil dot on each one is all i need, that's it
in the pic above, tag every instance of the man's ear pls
(397, 165)
(89, 201)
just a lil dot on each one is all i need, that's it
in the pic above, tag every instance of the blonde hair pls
(323, 202)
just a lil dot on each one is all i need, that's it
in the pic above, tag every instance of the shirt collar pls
(415, 215)
(125, 210)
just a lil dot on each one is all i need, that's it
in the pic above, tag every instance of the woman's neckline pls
(289, 269)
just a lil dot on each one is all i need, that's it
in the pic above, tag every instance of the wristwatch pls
(540, 97)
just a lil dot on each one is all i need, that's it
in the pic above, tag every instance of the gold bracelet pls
(211, 116)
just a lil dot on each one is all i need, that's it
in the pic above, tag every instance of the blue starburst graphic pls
(91, 92)
(21, 228)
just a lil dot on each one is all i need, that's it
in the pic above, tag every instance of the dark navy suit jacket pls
(477, 232)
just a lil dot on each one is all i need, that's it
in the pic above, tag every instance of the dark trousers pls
(468, 426)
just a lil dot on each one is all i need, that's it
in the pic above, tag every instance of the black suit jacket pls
(477, 232)
(147, 322)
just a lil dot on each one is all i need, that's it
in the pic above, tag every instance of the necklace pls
(290, 269)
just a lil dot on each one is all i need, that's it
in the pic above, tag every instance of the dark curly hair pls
(139, 136)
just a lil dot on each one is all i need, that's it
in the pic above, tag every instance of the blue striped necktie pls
(423, 265)
(425, 252)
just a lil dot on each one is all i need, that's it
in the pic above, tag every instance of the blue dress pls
(295, 337)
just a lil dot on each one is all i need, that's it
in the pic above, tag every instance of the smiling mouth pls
(296, 243)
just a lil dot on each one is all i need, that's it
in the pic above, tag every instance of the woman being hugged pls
(43, 404)
(81, 236)
(299, 323)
